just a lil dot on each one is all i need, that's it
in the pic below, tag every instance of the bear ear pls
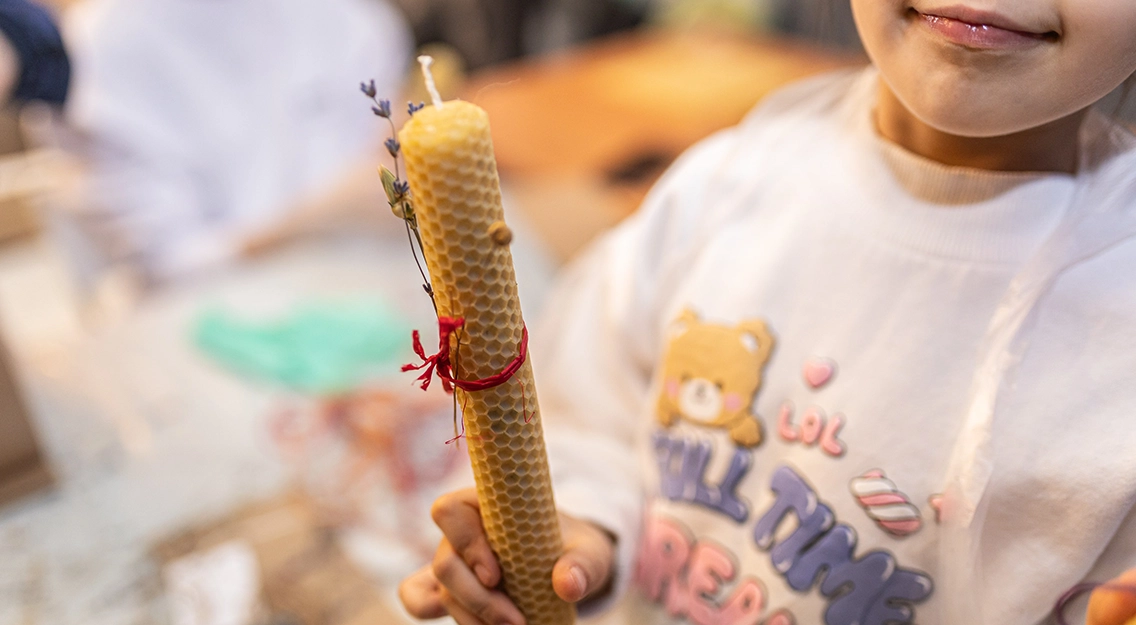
(756, 337)
(685, 321)
(688, 316)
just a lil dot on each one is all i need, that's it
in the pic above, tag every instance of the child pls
(866, 358)
(217, 128)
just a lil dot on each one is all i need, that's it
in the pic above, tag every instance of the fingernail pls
(482, 573)
(577, 574)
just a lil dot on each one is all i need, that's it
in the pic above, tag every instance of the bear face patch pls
(711, 374)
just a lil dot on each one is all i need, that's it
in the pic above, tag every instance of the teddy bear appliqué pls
(711, 374)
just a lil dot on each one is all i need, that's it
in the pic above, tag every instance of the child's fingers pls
(586, 566)
(460, 615)
(459, 517)
(462, 588)
(421, 595)
(1114, 607)
(465, 617)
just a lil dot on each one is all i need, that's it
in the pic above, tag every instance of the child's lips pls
(981, 31)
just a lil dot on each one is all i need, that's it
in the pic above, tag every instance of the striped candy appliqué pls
(892, 511)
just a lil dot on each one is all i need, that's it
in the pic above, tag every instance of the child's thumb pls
(587, 563)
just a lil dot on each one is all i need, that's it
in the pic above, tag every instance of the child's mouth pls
(979, 30)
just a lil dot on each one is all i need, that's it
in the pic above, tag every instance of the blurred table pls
(580, 136)
(149, 437)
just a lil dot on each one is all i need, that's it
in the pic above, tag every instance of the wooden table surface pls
(581, 135)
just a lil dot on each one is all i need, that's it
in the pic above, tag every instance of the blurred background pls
(205, 299)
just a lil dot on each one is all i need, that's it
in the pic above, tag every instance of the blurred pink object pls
(361, 454)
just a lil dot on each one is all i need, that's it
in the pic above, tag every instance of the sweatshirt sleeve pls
(595, 350)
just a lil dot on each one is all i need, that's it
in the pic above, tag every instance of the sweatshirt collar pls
(950, 212)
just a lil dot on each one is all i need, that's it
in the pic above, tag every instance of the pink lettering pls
(785, 423)
(687, 577)
(829, 442)
(661, 561)
(678, 597)
(781, 617)
(813, 429)
(811, 425)
(745, 606)
(709, 567)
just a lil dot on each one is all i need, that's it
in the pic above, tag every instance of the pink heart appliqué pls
(936, 502)
(819, 371)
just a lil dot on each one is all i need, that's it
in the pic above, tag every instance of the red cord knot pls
(439, 364)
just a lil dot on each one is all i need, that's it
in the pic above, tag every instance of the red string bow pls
(439, 364)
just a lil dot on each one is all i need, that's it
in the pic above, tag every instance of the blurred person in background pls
(214, 128)
(33, 62)
(828, 22)
(482, 32)
(487, 32)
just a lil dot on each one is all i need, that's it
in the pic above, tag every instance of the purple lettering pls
(670, 455)
(873, 590)
(723, 497)
(856, 584)
(896, 603)
(793, 495)
(682, 476)
(832, 551)
(695, 459)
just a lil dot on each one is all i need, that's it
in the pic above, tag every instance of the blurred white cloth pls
(207, 119)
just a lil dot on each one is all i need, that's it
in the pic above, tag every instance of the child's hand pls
(1114, 607)
(463, 578)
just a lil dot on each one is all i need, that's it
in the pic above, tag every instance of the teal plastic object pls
(319, 348)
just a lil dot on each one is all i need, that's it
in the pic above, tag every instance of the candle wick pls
(426, 61)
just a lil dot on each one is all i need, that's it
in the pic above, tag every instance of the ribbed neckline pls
(956, 213)
(936, 183)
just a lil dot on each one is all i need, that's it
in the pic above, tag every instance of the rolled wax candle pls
(457, 201)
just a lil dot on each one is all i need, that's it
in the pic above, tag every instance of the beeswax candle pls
(457, 200)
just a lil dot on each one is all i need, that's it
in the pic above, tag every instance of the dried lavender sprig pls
(398, 190)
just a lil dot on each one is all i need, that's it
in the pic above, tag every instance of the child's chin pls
(967, 120)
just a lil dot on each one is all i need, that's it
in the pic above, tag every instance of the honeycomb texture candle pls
(457, 200)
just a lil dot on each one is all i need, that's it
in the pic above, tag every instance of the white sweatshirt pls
(209, 118)
(936, 446)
